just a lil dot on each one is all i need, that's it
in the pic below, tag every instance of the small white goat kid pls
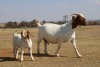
(53, 33)
(22, 41)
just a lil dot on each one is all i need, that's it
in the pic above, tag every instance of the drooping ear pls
(27, 31)
(74, 23)
(21, 33)
(28, 34)
(73, 19)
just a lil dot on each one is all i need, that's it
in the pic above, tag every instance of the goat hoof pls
(80, 56)
(47, 53)
(38, 53)
(57, 55)
(21, 60)
(32, 60)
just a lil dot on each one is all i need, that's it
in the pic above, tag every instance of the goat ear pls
(28, 31)
(74, 21)
(73, 18)
(22, 34)
(28, 34)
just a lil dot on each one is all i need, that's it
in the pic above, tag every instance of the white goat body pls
(20, 42)
(53, 33)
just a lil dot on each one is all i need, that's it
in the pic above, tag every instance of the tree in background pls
(27, 24)
(15, 24)
(32, 23)
(10, 24)
(23, 24)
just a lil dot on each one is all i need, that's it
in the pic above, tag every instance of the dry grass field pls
(88, 44)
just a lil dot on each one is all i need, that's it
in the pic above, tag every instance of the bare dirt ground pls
(88, 44)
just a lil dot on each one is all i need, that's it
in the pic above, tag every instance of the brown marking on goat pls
(26, 34)
(78, 20)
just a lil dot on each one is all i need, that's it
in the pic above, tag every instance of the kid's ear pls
(28, 31)
(21, 33)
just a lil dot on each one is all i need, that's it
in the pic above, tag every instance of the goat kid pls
(58, 34)
(22, 41)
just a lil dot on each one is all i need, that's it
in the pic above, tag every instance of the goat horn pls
(75, 14)
(37, 20)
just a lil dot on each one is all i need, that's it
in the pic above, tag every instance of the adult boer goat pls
(22, 41)
(58, 34)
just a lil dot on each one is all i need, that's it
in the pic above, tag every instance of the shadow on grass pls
(39, 55)
(2, 59)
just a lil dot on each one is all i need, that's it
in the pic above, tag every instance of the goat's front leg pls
(74, 45)
(22, 52)
(30, 51)
(57, 51)
(14, 50)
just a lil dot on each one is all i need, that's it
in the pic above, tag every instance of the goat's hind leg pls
(38, 46)
(14, 51)
(17, 52)
(45, 47)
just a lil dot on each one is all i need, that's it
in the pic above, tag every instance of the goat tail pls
(37, 22)
(15, 32)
